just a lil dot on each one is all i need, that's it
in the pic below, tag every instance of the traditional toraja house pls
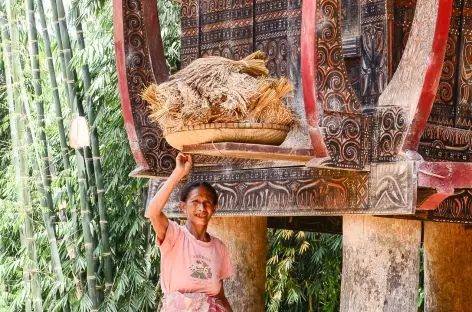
(382, 89)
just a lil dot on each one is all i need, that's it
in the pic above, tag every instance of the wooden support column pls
(381, 258)
(447, 267)
(246, 239)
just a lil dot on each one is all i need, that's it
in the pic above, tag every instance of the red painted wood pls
(433, 75)
(309, 55)
(118, 31)
(445, 176)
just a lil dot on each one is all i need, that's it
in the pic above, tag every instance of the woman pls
(193, 263)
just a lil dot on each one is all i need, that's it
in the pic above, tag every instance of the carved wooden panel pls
(135, 71)
(226, 28)
(464, 97)
(376, 30)
(457, 207)
(190, 39)
(443, 112)
(353, 67)
(334, 90)
(277, 33)
(440, 143)
(393, 185)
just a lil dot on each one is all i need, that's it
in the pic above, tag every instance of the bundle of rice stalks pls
(220, 90)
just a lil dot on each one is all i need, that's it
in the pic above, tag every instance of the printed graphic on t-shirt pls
(200, 268)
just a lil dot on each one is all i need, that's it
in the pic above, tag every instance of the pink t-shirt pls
(189, 265)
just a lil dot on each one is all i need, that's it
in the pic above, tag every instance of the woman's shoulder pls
(219, 244)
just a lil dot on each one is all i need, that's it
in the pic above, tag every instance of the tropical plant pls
(303, 271)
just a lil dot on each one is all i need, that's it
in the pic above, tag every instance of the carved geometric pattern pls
(443, 111)
(376, 28)
(393, 186)
(160, 156)
(226, 28)
(334, 90)
(440, 143)
(347, 138)
(456, 208)
(464, 98)
(277, 33)
(190, 39)
(389, 130)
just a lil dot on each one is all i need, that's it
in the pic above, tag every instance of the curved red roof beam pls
(309, 56)
(415, 83)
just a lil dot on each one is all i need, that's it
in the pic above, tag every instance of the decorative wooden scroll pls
(138, 68)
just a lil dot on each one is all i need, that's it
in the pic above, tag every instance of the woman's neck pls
(198, 231)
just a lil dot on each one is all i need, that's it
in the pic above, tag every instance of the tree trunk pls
(381, 258)
(246, 239)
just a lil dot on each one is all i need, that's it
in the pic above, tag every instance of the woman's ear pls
(182, 206)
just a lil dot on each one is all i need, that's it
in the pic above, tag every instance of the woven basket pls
(255, 133)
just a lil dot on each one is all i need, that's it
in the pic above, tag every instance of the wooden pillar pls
(246, 239)
(381, 258)
(447, 267)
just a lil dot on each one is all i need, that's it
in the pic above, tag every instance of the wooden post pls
(448, 267)
(246, 239)
(381, 258)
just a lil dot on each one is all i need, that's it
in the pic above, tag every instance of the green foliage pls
(303, 272)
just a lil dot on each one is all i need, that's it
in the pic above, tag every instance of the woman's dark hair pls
(193, 185)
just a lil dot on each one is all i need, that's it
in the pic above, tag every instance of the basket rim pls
(229, 125)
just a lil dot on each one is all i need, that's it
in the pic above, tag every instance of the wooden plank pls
(250, 151)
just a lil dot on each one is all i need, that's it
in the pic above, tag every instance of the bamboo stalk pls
(77, 107)
(58, 9)
(17, 123)
(59, 117)
(91, 278)
(43, 167)
(6, 48)
(108, 263)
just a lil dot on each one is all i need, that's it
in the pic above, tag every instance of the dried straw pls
(219, 90)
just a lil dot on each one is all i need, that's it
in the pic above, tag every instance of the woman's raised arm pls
(154, 211)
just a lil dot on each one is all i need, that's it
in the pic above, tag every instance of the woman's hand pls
(183, 165)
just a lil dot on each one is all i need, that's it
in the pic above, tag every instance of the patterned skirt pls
(191, 302)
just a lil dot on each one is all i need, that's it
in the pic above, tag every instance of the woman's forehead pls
(200, 192)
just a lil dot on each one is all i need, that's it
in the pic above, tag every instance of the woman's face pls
(199, 206)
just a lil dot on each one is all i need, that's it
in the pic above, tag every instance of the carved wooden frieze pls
(389, 189)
